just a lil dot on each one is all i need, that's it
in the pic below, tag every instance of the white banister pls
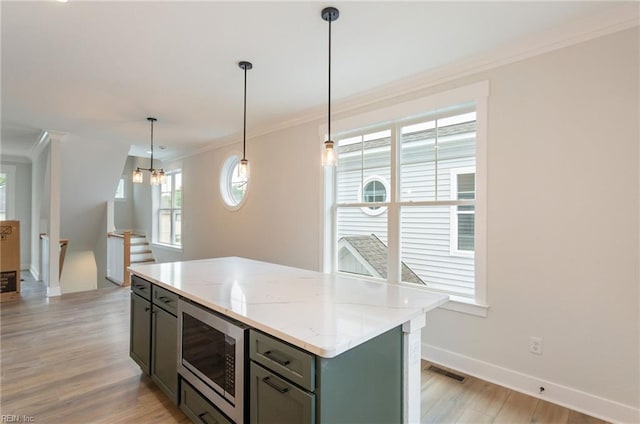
(119, 258)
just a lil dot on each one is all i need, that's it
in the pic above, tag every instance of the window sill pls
(455, 303)
(458, 303)
(466, 306)
(169, 247)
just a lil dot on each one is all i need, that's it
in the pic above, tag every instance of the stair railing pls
(127, 259)
(119, 258)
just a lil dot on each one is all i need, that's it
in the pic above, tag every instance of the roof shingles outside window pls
(374, 251)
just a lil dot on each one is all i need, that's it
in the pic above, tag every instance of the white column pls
(411, 373)
(38, 164)
(54, 214)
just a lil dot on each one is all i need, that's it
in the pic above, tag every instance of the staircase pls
(140, 250)
(124, 249)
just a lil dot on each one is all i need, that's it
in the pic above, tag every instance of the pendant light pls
(329, 14)
(244, 163)
(157, 175)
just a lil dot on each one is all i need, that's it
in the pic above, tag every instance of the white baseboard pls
(34, 272)
(53, 291)
(555, 393)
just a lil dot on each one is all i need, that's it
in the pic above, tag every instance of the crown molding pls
(43, 139)
(613, 20)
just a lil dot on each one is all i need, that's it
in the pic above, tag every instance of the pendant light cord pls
(329, 96)
(244, 124)
(151, 145)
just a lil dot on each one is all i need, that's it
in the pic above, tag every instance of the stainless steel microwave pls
(212, 357)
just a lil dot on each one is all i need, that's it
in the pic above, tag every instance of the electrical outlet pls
(535, 345)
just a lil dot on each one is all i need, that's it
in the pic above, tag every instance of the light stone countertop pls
(321, 313)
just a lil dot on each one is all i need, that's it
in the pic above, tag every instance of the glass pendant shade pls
(244, 167)
(155, 178)
(329, 154)
(137, 176)
(161, 176)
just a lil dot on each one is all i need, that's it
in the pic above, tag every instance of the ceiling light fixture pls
(244, 163)
(157, 175)
(329, 14)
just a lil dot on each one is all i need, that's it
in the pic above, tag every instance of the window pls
(405, 196)
(170, 210)
(463, 216)
(3, 196)
(120, 193)
(375, 190)
(233, 185)
(7, 184)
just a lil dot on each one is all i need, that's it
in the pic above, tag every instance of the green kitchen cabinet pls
(140, 332)
(164, 336)
(197, 407)
(154, 334)
(360, 386)
(275, 400)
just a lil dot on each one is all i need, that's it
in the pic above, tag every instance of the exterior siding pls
(426, 230)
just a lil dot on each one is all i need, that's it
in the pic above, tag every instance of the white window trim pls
(156, 209)
(168, 247)
(477, 93)
(10, 170)
(367, 209)
(124, 180)
(224, 183)
(453, 233)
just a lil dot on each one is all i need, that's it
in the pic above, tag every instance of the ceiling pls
(97, 70)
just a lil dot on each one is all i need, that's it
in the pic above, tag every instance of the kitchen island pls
(321, 314)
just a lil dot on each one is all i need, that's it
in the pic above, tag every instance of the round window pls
(233, 184)
(374, 190)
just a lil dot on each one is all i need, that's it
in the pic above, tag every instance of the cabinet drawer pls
(275, 400)
(165, 299)
(197, 408)
(141, 287)
(286, 360)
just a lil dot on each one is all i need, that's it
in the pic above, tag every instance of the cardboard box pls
(9, 260)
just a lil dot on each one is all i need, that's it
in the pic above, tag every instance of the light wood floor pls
(66, 360)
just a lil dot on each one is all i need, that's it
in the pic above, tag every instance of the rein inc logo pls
(17, 419)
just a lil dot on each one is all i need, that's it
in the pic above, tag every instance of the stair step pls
(143, 261)
(140, 256)
(140, 248)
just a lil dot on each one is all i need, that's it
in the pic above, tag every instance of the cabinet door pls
(197, 408)
(140, 332)
(276, 401)
(164, 347)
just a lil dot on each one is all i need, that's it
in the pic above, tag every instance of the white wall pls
(79, 272)
(278, 222)
(22, 207)
(123, 209)
(90, 170)
(563, 220)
